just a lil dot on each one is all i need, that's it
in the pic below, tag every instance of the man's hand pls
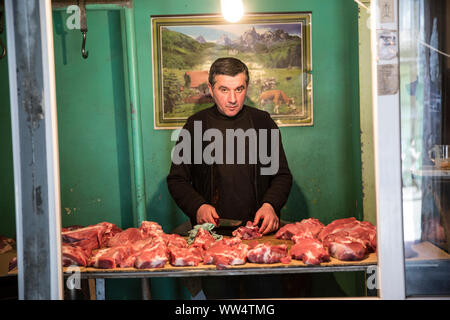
(270, 218)
(207, 213)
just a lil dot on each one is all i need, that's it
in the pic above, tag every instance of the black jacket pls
(192, 185)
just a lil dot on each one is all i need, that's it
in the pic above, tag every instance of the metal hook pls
(83, 24)
(84, 53)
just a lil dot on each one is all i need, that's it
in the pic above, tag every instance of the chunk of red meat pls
(140, 244)
(203, 240)
(286, 232)
(224, 253)
(182, 257)
(125, 237)
(232, 241)
(247, 232)
(153, 255)
(94, 236)
(175, 240)
(88, 245)
(267, 253)
(335, 226)
(129, 261)
(74, 255)
(286, 260)
(109, 258)
(360, 231)
(151, 229)
(110, 230)
(310, 251)
(136, 249)
(6, 244)
(306, 229)
(347, 249)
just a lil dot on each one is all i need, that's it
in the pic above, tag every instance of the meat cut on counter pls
(305, 229)
(6, 244)
(349, 239)
(268, 253)
(106, 246)
(226, 252)
(310, 251)
(247, 232)
(344, 239)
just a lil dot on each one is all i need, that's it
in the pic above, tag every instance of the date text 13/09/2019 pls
(226, 309)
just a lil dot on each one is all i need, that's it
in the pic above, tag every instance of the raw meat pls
(306, 229)
(203, 239)
(110, 229)
(349, 239)
(360, 231)
(267, 253)
(336, 226)
(151, 229)
(247, 232)
(347, 249)
(136, 249)
(286, 260)
(182, 257)
(125, 237)
(286, 232)
(94, 232)
(73, 255)
(140, 244)
(226, 252)
(310, 251)
(94, 236)
(109, 258)
(6, 244)
(153, 255)
(129, 261)
(175, 240)
(233, 241)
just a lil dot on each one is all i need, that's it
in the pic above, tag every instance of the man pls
(209, 190)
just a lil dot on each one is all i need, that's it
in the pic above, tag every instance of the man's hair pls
(227, 66)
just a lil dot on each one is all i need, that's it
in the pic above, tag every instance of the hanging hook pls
(3, 48)
(83, 24)
(84, 53)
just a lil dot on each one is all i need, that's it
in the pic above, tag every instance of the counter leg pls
(146, 289)
(100, 288)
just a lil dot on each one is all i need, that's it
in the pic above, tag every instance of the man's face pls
(229, 93)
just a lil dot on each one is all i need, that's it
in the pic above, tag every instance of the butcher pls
(213, 178)
(219, 177)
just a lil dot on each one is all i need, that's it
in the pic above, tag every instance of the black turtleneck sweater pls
(237, 191)
(234, 191)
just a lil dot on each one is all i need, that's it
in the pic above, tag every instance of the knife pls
(229, 223)
(226, 227)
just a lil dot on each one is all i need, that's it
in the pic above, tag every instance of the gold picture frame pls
(276, 48)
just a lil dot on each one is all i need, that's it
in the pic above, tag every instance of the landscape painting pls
(275, 47)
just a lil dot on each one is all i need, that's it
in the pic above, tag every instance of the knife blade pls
(229, 223)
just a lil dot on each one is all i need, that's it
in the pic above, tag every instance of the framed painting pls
(275, 47)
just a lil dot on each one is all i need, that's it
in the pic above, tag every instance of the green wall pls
(93, 125)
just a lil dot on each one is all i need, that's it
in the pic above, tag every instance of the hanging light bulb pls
(232, 10)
